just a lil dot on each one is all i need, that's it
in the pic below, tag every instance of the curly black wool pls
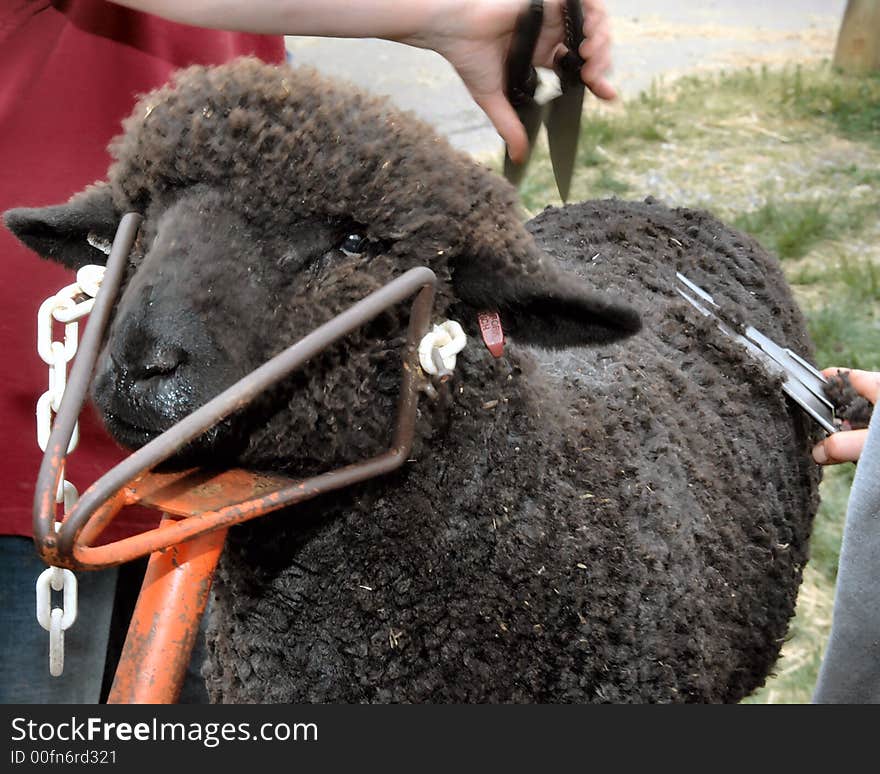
(624, 522)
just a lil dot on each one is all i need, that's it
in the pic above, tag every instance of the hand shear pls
(562, 115)
(802, 382)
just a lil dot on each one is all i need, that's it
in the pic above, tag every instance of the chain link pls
(56, 620)
(67, 307)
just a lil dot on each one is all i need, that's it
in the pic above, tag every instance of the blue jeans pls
(91, 645)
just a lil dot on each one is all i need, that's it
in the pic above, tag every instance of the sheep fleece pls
(624, 523)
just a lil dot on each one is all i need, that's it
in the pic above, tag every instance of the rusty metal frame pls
(165, 622)
(130, 481)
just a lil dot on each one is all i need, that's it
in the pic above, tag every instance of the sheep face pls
(198, 272)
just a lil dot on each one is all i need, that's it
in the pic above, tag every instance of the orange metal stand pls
(166, 619)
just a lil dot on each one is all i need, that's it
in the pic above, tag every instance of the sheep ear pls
(552, 311)
(71, 234)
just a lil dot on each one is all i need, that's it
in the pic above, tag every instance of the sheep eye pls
(353, 245)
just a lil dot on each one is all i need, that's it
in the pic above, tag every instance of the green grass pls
(792, 157)
(855, 175)
(607, 183)
(789, 229)
(792, 228)
(844, 313)
(850, 104)
(845, 336)
(861, 278)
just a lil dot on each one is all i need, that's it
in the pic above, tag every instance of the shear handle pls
(522, 78)
(568, 65)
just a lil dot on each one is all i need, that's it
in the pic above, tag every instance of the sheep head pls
(272, 201)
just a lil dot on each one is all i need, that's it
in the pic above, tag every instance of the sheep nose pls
(163, 360)
(158, 360)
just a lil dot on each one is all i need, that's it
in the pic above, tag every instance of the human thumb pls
(840, 447)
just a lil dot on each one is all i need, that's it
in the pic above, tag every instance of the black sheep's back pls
(717, 484)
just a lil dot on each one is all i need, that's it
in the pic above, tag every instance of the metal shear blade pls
(562, 115)
(803, 383)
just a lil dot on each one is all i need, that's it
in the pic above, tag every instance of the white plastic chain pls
(67, 306)
(448, 339)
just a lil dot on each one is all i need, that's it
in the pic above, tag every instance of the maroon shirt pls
(69, 74)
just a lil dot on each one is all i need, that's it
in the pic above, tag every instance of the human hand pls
(476, 39)
(473, 35)
(846, 446)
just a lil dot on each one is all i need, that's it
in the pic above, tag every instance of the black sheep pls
(624, 522)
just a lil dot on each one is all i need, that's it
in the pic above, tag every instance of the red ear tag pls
(493, 334)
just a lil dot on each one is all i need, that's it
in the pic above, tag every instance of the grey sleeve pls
(850, 670)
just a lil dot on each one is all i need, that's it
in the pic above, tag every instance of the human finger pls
(507, 124)
(594, 69)
(595, 50)
(596, 40)
(595, 80)
(840, 447)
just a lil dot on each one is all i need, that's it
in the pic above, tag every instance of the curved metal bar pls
(85, 557)
(99, 504)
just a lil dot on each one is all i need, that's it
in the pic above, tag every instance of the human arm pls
(846, 446)
(473, 35)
